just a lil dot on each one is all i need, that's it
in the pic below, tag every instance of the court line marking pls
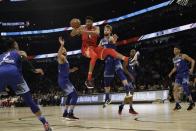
(139, 120)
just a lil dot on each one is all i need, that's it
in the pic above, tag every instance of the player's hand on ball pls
(61, 41)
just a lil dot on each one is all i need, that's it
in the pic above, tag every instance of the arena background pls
(153, 27)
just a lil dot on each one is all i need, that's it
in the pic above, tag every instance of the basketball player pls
(64, 82)
(113, 65)
(90, 48)
(11, 75)
(182, 76)
(130, 67)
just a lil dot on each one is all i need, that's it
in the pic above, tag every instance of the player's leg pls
(127, 86)
(65, 113)
(185, 85)
(72, 96)
(35, 109)
(62, 85)
(73, 102)
(114, 53)
(176, 93)
(109, 71)
(90, 53)
(107, 87)
(21, 88)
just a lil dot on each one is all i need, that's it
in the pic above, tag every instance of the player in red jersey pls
(90, 49)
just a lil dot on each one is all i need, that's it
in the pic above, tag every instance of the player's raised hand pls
(115, 37)
(61, 41)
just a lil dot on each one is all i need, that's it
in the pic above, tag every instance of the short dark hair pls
(89, 18)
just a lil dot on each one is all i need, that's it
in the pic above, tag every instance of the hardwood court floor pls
(152, 117)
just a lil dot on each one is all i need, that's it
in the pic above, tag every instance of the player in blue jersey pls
(130, 68)
(11, 75)
(182, 76)
(64, 82)
(113, 65)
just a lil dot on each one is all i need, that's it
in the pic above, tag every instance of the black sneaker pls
(177, 107)
(89, 84)
(191, 106)
(71, 117)
(107, 102)
(65, 114)
(120, 109)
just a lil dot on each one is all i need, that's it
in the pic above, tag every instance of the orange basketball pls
(75, 23)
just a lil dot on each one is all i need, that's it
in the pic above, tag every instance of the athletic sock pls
(42, 119)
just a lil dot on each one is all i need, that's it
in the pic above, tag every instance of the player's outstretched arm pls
(60, 55)
(191, 60)
(29, 65)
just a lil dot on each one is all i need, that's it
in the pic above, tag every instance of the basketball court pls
(152, 117)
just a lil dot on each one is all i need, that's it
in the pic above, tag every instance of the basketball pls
(75, 23)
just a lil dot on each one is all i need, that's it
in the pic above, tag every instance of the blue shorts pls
(182, 79)
(10, 76)
(66, 85)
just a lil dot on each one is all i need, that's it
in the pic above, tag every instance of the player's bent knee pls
(29, 102)
(74, 98)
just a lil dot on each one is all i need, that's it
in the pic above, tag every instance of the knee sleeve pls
(29, 102)
(74, 98)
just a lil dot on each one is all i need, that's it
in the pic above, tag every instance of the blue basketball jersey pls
(105, 43)
(63, 70)
(181, 65)
(11, 58)
(132, 66)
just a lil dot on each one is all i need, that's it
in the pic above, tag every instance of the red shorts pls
(89, 51)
